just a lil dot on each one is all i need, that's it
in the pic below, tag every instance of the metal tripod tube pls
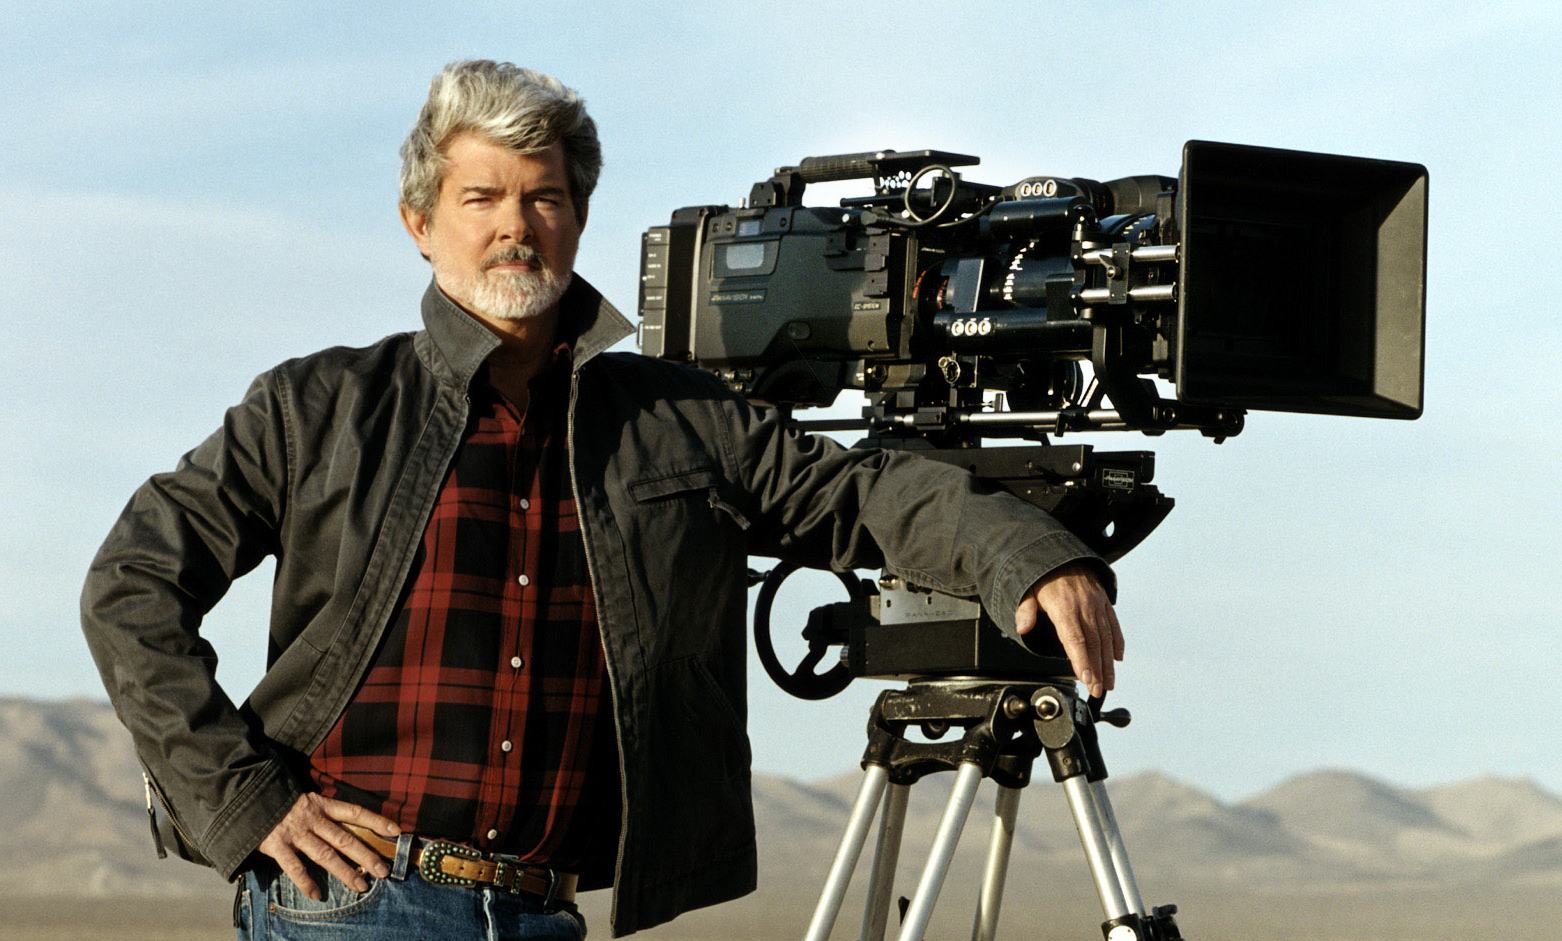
(944, 845)
(1098, 852)
(886, 853)
(866, 805)
(1005, 810)
(1117, 848)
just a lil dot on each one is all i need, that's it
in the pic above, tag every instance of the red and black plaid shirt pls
(486, 716)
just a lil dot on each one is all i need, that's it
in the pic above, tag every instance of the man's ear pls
(417, 224)
(584, 211)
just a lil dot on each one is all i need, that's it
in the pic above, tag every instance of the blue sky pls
(191, 194)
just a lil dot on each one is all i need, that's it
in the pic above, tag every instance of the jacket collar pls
(586, 320)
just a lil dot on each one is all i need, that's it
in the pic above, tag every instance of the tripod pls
(1013, 701)
(1006, 725)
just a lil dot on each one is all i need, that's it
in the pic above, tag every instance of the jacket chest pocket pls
(689, 496)
(684, 526)
(686, 555)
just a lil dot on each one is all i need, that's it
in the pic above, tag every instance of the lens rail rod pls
(1149, 254)
(1145, 294)
(1053, 421)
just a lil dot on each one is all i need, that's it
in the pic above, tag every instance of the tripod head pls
(894, 630)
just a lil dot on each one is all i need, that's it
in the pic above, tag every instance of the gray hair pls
(518, 108)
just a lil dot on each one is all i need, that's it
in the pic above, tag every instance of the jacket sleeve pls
(171, 555)
(931, 523)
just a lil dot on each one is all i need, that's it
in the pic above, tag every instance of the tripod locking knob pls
(1047, 704)
(1116, 717)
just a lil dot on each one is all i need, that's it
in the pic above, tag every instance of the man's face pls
(503, 232)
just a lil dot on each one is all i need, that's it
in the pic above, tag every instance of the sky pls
(191, 193)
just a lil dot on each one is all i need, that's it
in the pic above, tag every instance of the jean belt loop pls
(403, 856)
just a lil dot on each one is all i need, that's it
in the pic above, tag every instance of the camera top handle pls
(876, 164)
(886, 168)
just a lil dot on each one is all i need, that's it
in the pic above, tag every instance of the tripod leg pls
(886, 854)
(1098, 851)
(1117, 849)
(840, 877)
(944, 845)
(1004, 812)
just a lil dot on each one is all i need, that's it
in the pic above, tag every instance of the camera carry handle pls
(1006, 726)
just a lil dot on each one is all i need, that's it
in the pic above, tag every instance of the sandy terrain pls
(1410, 915)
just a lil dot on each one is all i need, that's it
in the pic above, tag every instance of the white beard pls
(506, 295)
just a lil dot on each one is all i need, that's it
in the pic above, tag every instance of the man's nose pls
(513, 224)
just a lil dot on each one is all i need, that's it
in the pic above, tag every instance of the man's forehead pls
(473, 155)
(498, 181)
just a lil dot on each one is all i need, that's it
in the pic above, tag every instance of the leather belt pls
(444, 863)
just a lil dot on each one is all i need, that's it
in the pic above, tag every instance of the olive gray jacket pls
(332, 462)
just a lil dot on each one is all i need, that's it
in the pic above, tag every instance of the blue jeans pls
(270, 908)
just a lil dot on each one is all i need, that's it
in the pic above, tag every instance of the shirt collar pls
(588, 324)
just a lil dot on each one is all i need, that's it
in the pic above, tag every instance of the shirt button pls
(523, 581)
(525, 504)
(516, 662)
(493, 834)
(505, 745)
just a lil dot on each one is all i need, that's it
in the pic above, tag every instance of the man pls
(507, 635)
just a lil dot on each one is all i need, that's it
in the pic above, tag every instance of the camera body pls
(1256, 279)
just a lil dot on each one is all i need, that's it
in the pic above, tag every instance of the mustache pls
(515, 253)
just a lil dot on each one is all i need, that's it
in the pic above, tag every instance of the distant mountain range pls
(73, 819)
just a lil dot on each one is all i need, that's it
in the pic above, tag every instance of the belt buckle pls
(434, 852)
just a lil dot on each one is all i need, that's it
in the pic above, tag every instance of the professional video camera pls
(1262, 279)
(1258, 279)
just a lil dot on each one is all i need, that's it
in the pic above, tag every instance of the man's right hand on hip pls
(311, 828)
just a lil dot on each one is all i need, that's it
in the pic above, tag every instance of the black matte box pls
(1302, 284)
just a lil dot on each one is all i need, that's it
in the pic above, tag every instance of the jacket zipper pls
(151, 817)
(168, 810)
(607, 659)
(717, 503)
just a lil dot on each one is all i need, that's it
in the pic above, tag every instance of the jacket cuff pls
(247, 819)
(1030, 563)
